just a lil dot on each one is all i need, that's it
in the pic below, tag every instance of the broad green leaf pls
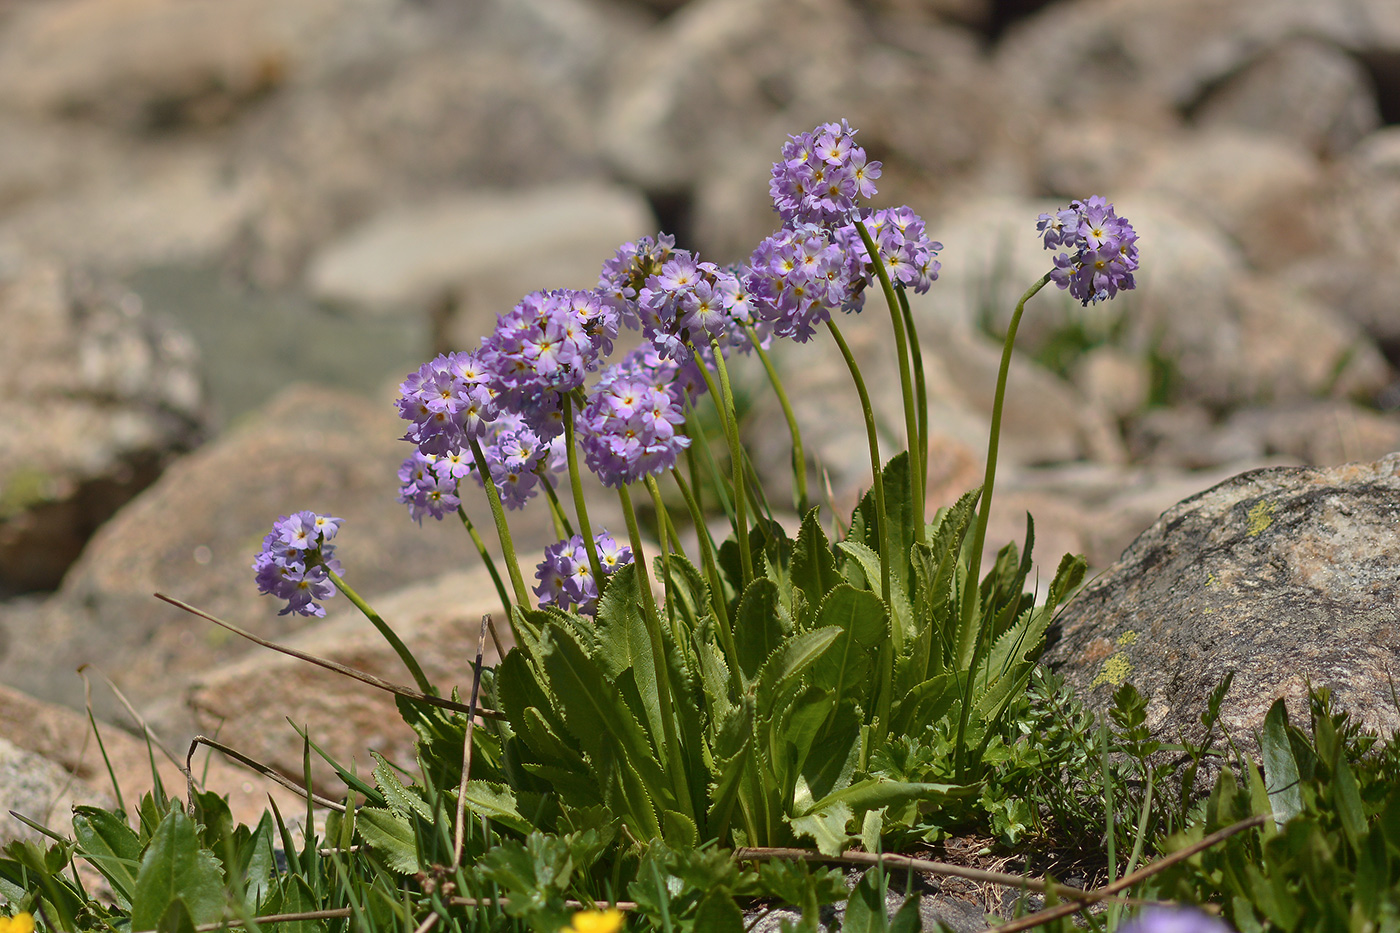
(847, 668)
(925, 703)
(543, 742)
(496, 802)
(175, 867)
(389, 834)
(758, 631)
(399, 797)
(904, 520)
(832, 760)
(679, 830)
(869, 562)
(826, 826)
(1347, 797)
(813, 563)
(878, 792)
(865, 911)
(1280, 767)
(797, 654)
(259, 860)
(718, 913)
(176, 919)
(908, 919)
(112, 846)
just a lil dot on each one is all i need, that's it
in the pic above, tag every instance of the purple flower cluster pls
(628, 428)
(428, 482)
(906, 252)
(1174, 920)
(566, 577)
(545, 346)
(625, 275)
(821, 175)
(296, 561)
(800, 274)
(1105, 249)
(447, 401)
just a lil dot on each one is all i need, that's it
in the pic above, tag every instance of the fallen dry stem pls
(1127, 881)
(361, 676)
(262, 769)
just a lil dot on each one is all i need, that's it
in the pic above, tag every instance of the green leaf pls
(878, 792)
(112, 846)
(847, 668)
(718, 913)
(400, 798)
(679, 830)
(869, 562)
(496, 802)
(758, 630)
(865, 911)
(176, 919)
(797, 654)
(908, 919)
(826, 826)
(175, 867)
(813, 563)
(258, 860)
(1280, 767)
(389, 834)
(1347, 797)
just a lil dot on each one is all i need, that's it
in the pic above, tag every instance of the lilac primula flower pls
(1174, 920)
(566, 577)
(821, 175)
(1104, 245)
(447, 401)
(628, 429)
(906, 252)
(799, 275)
(296, 561)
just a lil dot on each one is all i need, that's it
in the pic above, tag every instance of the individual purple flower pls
(566, 576)
(1174, 920)
(628, 429)
(821, 175)
(296, 561)
(1104, 245)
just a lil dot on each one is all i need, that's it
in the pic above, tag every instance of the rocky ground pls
(204, 203)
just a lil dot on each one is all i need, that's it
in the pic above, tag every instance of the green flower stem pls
(674, 758)
(920, 385)
(663, 524)
(561, 521)
(395, 642)
(877, 479)
(493, 495)
(707, 558)
(695, 432)
(576, 485)
(984, 510)
(799, 459)
(486, 559)
(906, 385)
(724, 404)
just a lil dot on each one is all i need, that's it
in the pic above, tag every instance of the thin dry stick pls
(467, 744)
(264, 770)
(145, 729)
(331, 914)
(428, 924)
(361, 676)
(505, 902)
(495, 638)
(1127, 881)
(918, 864)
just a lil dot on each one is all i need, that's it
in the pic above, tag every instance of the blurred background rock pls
(203, 203)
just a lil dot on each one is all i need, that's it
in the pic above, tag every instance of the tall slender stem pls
(395, 642)
(736, 463)
(972, 591)
(906, 385)
(663, 524)
(674, 757)
(486, 559)
(581, 507)
(799, 458)
(561, 521)
(920, 385)
(493, 495)
(707, 557)
(877, 479)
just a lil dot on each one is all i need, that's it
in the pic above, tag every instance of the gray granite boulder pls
(1287, 576)
(95, 398)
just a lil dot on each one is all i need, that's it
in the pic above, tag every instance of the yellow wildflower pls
(20, 923)
(589, 921)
